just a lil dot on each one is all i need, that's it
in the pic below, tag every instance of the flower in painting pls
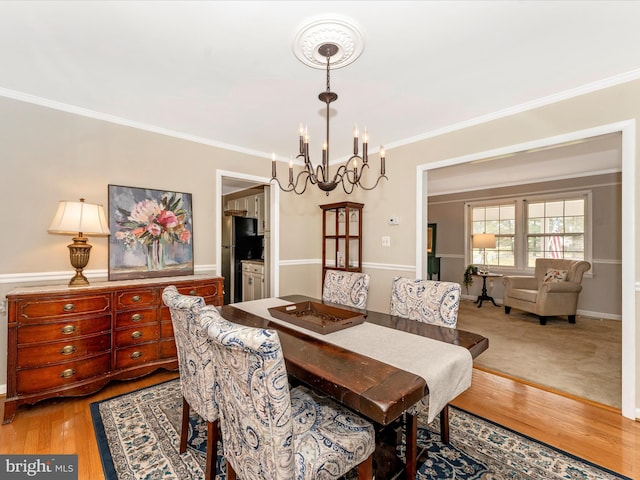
(185, 236)
(150, 221)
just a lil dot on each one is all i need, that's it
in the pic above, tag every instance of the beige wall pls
(601, 295)
(48, 155)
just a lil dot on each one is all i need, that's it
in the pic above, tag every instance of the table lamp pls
(484, 241)
(79, 218)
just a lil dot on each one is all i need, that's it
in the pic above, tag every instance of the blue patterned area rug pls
(138, 434)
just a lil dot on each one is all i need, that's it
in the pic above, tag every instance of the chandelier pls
(350, 174)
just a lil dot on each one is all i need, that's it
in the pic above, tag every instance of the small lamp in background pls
(80, 219)
(484, 241)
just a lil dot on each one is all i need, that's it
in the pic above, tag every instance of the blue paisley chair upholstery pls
(426, 301)
(196, 369)
(346, 288)
(431, 302)
(272, 432)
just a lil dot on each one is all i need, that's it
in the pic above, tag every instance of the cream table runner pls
(445, 368)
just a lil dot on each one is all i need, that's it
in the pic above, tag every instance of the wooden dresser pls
(72, 341)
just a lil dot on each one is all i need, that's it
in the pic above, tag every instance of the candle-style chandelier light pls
(351, 173)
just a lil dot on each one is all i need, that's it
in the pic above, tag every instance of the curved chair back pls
(256, 421)
(572, 269)
(436, 303)
(194, 358)
(426, 301)
(346, 288)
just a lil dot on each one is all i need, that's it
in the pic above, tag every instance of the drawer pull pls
(136, 354)
(68, 329)
(68, 350)
(68, 307)
(68, 373)
(136, 317)
(136, 334)
(193, 292)
(136, 298)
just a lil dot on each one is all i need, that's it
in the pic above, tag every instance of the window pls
(501, 221)
(555, 229)
(529, 228)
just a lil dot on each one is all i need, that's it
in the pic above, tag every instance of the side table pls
(484, 296)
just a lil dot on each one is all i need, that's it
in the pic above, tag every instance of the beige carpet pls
(583, 359)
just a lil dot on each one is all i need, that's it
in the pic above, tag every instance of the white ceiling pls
(224, 72)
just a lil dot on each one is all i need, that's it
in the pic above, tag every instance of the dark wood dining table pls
(374, 389)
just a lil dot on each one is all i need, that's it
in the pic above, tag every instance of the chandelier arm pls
(356, 176)
(344, 186)
(293, 186)
(304, 185)
(380, 177)
(341, 173)
(308, 169)
(319, 174)
(277, 180)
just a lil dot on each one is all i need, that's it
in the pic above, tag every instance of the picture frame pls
(151, 233)
(431, 239)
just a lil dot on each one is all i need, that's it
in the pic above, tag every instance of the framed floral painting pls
(151, 233)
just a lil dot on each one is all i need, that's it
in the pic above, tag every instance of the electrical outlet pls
(386, 241)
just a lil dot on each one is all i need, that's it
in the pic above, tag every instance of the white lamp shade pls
(484, 240)
(79, 218)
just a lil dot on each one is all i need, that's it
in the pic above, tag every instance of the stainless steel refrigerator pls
(239, 242)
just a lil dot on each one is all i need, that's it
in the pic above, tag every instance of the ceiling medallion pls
(339, 31)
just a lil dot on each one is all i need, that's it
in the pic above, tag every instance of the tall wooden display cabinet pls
(341, 237)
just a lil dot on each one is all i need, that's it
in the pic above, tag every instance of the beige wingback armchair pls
(553, 291)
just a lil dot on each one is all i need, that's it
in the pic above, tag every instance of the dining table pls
(378, 368)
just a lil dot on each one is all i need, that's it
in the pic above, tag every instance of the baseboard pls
(584, 313)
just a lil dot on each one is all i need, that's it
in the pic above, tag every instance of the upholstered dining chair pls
(273, 432)
(431, 302)
(346, 288)
(196, 370)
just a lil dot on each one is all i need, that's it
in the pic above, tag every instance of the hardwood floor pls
(600, 435)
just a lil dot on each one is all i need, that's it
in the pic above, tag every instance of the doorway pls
(227, 183)
(627, 145)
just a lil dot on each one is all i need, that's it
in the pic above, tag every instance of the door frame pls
(274, 225)
(627, 129)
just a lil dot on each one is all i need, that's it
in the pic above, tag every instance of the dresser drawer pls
(207, 290)
(135, 298)
(168, 349)
(56, 352)
(136, 356)
(35, 380)
(70, 329)
(166, 329)
(255, 268)
(132, 318)
(137, 335)
(63, 306)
